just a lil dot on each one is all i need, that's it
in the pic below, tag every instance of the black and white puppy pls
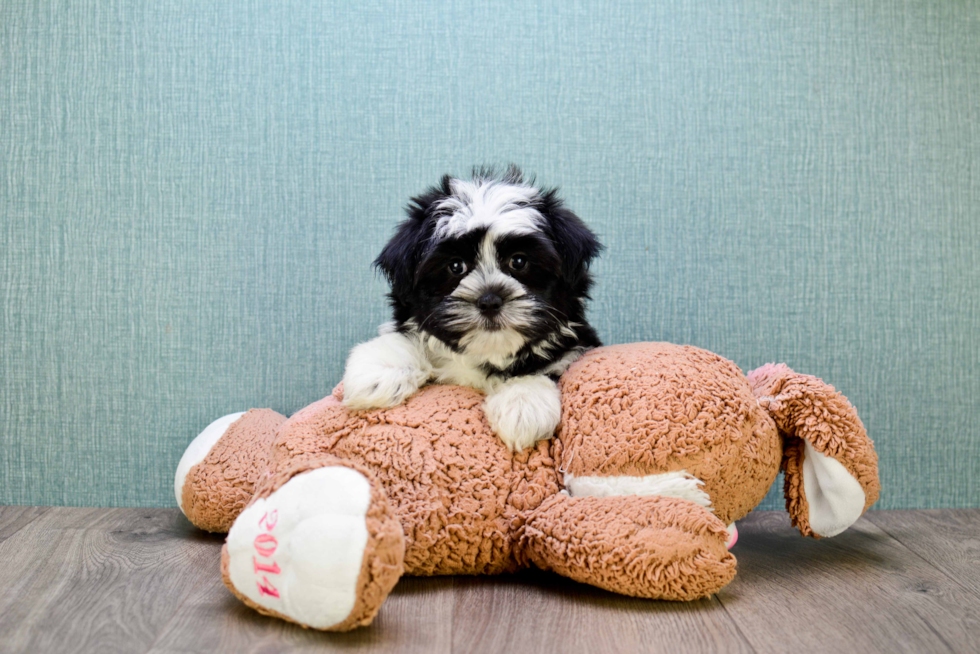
(489, 278)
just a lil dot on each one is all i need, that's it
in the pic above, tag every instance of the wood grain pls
(534, 611)
(859, 591)
(15, 518)
(948, 540)
(103, 580)
(144, 580)
(417, 617)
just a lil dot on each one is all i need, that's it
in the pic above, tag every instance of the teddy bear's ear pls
(829, 462)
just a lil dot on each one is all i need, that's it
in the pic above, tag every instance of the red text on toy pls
(265, 546)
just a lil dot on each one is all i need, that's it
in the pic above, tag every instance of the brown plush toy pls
(660, 447)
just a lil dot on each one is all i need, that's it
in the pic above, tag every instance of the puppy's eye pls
(457, 267)
(518, 262)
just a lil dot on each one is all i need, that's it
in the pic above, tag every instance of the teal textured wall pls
(191, 194)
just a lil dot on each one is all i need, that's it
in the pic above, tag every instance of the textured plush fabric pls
(382, 563)
(191, 194)
(465, 504)
(807, 409)
(657, 547)
(641, 410)
(218, 488)
(460, 494)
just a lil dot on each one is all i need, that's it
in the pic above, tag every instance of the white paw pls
(199, 448)
(379, 387)
(384, 372)
(524, 410)
(300, 551)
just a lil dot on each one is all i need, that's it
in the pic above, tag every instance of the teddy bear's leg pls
(644, 546)
(216, 475)
(318, 546)
(830, 464)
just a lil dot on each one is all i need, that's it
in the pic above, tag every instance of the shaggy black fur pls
(417, 267)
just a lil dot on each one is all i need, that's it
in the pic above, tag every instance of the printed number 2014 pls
(265, 547)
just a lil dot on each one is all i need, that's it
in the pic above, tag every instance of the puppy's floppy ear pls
(400, 257)
(576, 243)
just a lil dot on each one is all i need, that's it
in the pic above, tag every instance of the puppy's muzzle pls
(489, 304)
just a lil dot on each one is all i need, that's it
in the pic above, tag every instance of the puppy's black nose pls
(489, 303)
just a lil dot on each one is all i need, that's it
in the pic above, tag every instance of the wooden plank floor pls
(144, 580)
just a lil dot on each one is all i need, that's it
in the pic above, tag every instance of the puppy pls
(489, 278)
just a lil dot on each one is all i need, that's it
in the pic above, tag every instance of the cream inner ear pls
(836, 498)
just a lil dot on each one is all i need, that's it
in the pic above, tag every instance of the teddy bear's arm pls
(643, 546)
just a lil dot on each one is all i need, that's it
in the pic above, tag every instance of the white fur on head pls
(499, 206)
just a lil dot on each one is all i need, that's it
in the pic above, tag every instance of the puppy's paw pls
(524, 410)
(379, 388)
(383, 373)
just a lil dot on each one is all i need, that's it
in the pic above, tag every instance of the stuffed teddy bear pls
(660, 448)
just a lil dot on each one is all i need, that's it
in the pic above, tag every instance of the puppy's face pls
(487, 293)
(488, 265)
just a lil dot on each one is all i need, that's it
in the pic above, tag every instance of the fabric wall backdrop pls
(191, 195)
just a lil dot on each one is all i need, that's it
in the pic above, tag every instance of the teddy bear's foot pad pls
(298, 552)
(218, 472)
(198, 449)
